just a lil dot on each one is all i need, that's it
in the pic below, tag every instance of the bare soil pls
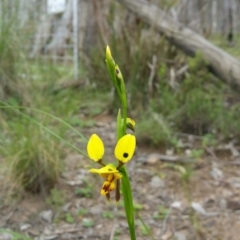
(205, 206)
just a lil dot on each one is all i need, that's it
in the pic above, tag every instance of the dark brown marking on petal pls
(117, 193)
(125, 155)
(106, 186)
(108, 196)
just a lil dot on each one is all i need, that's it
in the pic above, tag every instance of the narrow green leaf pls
(45, 113)
(128, 202)
(43, 127)
(144, 224)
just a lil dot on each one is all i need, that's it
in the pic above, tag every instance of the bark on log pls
(220, 62)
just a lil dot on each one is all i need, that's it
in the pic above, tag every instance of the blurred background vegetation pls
(169, 93)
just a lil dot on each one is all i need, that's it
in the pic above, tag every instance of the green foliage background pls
(163, 101)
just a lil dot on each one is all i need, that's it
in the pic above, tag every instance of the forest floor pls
(177, 198)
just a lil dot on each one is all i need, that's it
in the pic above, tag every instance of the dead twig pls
(173, 159)
(113, 232)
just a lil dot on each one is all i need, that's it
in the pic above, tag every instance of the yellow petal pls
(110, 168)
(95, 148)
(112, 186)
(125, 148)
(117, 176)
(104, 175)
(110, 177)
(95, 170)
(107, 187)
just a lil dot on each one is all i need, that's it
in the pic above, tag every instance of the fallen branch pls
(220, 62)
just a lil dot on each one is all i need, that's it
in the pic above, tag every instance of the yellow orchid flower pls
(110, 174)
(124, 151)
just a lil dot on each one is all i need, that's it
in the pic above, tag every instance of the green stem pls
(128, 202)
(126, 186)
(124, 118)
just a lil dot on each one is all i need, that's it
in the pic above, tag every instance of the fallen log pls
(222, 64)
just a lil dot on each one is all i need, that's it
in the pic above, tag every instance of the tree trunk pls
(221, 63)
(62, 33)
(42, 35)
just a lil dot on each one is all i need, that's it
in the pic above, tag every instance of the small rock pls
(146, 207)
(157, 182)
(66, 207)
(142, 159)
(170, 152)
(179, 236)
(234, 181)
(95, 210)
(123, 224)
(111, 136)
(143, 171)
(209, 224)
(113, 125)
(48, 230)
(101, 124)
(34, 231)
(198, 208)
(233, 149)
(90, 233)
(25, 226)
(210, 198)
(6, 236)
(233, 205)
(51, 237)
(153, 158)
(167, 235)
(48, 237)
(180, 143)
(82, 171)
(223, 203)
(47, 215)
(99, 226)
(188, 152)
(217, 174)
(176, 205)
(75, 183)
(226, 193)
